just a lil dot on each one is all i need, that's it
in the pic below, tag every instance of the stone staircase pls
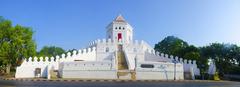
(122, 63)
(123, 69)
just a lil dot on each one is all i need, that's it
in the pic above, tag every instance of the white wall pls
(27, 68)
(161, 71)
(89, 70)
(96, 54)
(188, 64)
(102, 46)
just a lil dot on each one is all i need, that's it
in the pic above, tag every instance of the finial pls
(119, 18)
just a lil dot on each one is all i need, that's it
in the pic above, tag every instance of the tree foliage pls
(171, 45)
(50, 51)
(226, 56)
(16, 42)
(177, 47)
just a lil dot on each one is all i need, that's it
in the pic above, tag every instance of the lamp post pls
(202, 66)
(174, 61)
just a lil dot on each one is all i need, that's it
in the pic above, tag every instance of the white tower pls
(119, 29)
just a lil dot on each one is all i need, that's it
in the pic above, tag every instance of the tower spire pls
(119, 18)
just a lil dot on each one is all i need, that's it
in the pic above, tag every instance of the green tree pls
(16, 43)
(224, 55)
(177, 47)
(171, 45)
(50, 51)
(191, 52)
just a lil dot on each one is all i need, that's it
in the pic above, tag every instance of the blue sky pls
(74, 23)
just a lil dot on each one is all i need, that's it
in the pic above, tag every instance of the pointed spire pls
(119, 18)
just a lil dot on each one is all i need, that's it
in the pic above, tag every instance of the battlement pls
(171, 57)
(110, 41)
(57, 58)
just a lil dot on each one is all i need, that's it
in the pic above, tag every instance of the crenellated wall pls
(191, 66)
(134, 50)
(187, 64)
(104, 51)
(88, 54)
(106, 47)
(28, 67)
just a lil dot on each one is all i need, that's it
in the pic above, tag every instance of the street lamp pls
(202, 66)
(174, 61)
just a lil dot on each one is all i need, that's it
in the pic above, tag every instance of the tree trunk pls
(8, 67)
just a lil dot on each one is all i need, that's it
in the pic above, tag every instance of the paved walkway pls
(75, 83)
(103, 80)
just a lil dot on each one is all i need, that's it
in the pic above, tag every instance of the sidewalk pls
(102, 80)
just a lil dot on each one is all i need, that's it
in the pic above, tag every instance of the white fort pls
(116, 57)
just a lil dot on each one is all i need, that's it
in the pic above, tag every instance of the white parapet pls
(28, 67)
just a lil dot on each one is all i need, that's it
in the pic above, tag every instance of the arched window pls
(116, 28)
(123, 28)
(119, 27)
(107, 49)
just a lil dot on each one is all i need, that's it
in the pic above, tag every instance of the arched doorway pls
(119, 36)
(38, 72)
